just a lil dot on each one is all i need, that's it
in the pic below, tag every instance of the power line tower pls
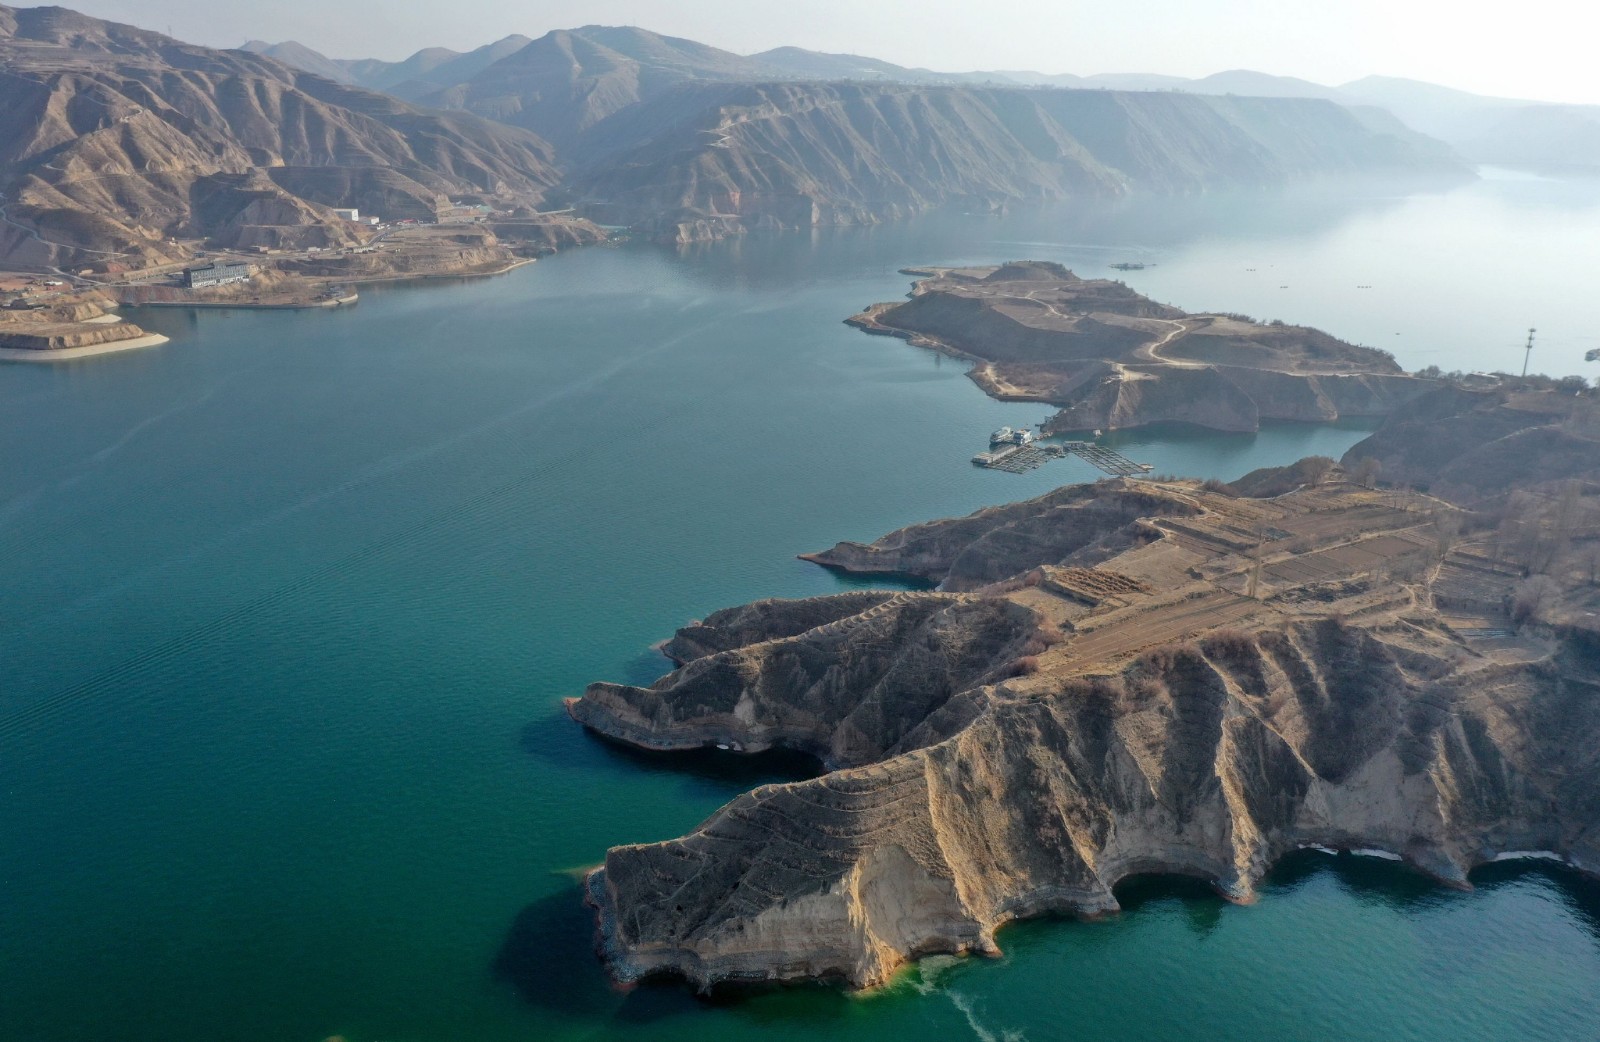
(1529, 356)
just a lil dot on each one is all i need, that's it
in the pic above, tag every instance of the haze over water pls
(291, 603)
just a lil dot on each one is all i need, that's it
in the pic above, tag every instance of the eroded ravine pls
(1199, 689)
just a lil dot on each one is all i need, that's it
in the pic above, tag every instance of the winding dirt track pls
(1152, 352)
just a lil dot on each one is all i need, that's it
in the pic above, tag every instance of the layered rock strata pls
(1250, 678)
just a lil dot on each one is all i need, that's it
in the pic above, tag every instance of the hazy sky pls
(1530, 48)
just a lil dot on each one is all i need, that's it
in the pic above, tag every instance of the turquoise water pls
(289, 606)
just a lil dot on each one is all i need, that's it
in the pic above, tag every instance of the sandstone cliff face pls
(766, 620)
(1211, 760)
(1244, 678)
(57, 337)
(849, 690)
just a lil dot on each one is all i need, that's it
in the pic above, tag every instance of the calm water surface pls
(287, 609)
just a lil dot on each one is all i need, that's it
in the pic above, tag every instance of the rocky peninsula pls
(1125, 678)
(1110, 358)
(76, 325)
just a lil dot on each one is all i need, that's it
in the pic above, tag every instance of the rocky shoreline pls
(1113, 680)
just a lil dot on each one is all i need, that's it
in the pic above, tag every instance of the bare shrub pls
(1229, 643)
(1532, 598)
(1318, 468)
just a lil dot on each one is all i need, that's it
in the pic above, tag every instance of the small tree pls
(1532, 598)
(1367, 470)
(1317, 468)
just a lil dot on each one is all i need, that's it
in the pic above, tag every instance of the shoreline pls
(38, 356)
(348, 300)
(67, 354)
(520, 262)
(981, 370)
(216, 305)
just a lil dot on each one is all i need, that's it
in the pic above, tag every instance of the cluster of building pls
(217, 273)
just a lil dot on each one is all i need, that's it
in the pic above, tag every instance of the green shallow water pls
(290, 605)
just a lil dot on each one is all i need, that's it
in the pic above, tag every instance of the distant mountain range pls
(1498, 131)
(116, 140)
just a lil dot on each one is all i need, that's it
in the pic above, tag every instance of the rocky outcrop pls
(60, 337)
(1211, 760)
(1076, 523)
(1248, 678)
(1111, 358)
(850, 690)
(766, 620)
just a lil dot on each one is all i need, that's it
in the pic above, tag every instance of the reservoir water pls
(288, 607)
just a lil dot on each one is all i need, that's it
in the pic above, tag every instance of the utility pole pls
(1529, 356)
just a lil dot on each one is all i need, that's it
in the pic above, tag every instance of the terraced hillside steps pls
(1116, 704)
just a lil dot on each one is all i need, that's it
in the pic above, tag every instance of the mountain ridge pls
(124, 139)
(1541, 133)
(119, 139)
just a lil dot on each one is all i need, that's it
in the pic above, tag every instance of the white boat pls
(1008, 436)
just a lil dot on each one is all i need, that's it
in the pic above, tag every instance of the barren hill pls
(1200, 691)
(1478, 446)
(118, 134)
(701, 160)
(115, 139)
(1112, 358)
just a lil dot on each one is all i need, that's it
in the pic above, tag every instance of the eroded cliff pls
(1248, 678)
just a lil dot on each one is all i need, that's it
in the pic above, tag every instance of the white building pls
(348, 215)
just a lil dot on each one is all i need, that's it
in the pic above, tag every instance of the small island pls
(1136, 677)
(1110, 358)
